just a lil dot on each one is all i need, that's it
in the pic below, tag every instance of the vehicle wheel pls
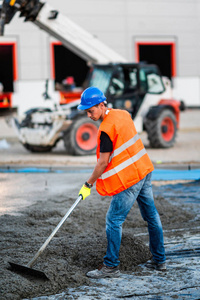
(38, 149)
(162, 131)
(81, 138)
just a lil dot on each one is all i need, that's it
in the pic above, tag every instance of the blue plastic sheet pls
(158, 174)
(30, 170)
(164, 174)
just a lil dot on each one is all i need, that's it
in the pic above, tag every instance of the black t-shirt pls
(105, 143)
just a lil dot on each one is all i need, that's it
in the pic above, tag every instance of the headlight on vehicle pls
(128, 104)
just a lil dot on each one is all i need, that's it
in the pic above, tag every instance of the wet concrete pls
(40, 202)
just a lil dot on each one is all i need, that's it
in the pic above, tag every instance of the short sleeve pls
(105, 143)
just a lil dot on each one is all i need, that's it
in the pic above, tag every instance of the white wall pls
(118, 23)
(188, 90)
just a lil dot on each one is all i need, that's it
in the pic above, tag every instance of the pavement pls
(185, 152)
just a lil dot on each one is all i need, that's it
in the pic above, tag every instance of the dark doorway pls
(6, 67)
(66, 63)
(159, 54)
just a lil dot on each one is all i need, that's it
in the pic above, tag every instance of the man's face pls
(95, 112)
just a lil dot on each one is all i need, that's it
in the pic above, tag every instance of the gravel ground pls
(79, 246)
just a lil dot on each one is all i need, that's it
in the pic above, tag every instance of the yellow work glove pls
(84, 191)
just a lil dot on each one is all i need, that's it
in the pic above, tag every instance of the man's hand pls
(84, 191)
(98, 171)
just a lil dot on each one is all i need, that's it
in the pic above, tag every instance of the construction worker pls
(123, 171)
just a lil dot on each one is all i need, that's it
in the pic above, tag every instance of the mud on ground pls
(80, 244)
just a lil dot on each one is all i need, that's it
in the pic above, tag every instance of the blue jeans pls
(119, 208)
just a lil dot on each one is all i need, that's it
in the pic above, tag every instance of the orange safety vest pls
(129, 162)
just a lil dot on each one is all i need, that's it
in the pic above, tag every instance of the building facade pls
(165, 32)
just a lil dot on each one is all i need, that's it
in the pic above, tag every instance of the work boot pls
(104, 271)
(153, 265)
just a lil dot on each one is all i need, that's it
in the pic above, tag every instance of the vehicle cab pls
(125, 85)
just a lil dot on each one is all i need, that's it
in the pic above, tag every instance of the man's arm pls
(106, 148)
(100, 167)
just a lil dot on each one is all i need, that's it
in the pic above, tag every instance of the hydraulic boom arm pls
(62, 28)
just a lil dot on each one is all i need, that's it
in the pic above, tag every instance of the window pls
(154, 84)
(130, 80)
(150, 80)
(133, 78)
(101, 78)
(117, 83)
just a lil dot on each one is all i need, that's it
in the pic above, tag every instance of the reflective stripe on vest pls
(124, 165)
(124, 146)
(129, 162)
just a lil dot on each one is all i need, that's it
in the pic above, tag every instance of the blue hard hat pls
(90, 97)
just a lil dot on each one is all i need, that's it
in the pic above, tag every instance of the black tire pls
(81, 137)
(38, 149)
(162, 130)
